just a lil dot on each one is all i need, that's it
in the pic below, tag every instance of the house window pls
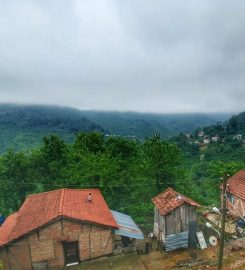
(230, 197)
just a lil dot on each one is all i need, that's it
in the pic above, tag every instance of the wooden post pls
(222, 235)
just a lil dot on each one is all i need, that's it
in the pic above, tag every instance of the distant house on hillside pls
(236, 194)
(215, 138)
(201, 134)
(63, 227)
(206, 140)
(238, 137)
(173, 214)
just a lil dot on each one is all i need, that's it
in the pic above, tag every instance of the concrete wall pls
(43, 249)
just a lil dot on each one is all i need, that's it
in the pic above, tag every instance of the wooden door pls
(71, 252)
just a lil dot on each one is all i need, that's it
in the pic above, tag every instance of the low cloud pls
(157, 56)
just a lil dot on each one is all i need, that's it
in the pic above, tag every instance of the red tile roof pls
(40, 209)
(236, 184)
(169, 199)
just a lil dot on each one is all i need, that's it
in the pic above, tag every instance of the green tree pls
(163, 161)
(51, 162)
(92, 142)
(15, 180)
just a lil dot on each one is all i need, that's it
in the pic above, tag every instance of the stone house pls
(57, 228)
(173, 213)
(235, 192)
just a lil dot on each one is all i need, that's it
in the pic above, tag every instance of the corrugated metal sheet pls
(176, 241)
(126, 225)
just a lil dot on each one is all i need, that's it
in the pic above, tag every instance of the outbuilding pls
(128, 236)
(173, 213)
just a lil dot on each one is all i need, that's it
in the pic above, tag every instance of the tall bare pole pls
(222, 235)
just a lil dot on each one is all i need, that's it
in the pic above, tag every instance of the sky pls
(126, 55)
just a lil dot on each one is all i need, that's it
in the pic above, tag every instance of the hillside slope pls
(223, 141)
(24, 126)
(146, 124)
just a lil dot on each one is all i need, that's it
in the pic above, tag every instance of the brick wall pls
(4, 259)
(44, 247)
(237, 207)
(17, 256)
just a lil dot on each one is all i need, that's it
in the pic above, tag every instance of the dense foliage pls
(128, 172)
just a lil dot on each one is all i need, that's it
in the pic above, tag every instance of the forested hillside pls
(23, 127)
(128, 171)
(142, 125)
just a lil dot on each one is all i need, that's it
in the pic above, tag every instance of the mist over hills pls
(24, 126)
(142, 125)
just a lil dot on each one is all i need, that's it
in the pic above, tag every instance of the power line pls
(131, 205)
(150, 183)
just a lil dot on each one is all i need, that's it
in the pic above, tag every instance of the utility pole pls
(222, 235)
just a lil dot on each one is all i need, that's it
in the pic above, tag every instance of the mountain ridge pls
(24, 126)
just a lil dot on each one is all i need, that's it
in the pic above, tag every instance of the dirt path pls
(177, 260)
(122, 262)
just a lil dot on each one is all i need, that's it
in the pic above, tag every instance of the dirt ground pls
(178, 260)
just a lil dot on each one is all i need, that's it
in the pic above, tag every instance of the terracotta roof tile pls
(169, 199)
(40, 209)
(237, 184)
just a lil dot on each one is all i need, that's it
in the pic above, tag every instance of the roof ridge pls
(82, 189)
(50, 191)
(164, 191)
(44, 192)
(61, 202)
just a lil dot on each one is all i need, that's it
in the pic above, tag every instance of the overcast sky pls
(140, 55)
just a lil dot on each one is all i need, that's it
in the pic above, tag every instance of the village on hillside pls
(75, 228)
(202, 139)
(122, 135)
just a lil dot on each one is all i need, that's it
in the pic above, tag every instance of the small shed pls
(173, 214)
(128, 236)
